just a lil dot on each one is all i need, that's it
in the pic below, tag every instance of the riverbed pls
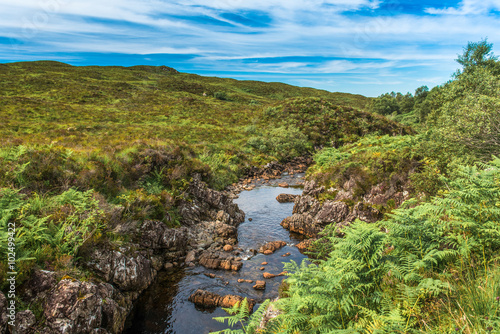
(164, 306)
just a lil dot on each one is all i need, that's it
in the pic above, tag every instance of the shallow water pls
(164, 307)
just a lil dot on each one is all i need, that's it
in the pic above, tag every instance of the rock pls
(131, 272)
(210, 275)
(168, 265)
(260, 285)
(264, 263)
(24, 321)
(250, 219)
(268, 252)
(332, 212)
(365, 213)
(223, 217)
(304, 245)
(283, 185)
(75, 307)
(262, 268)
(208, 299)
(3, 313)
(225, 230)
(268, 275)
(241, 280)
(228, 248)
(157, 235)
(191, 256)
(272, 247)
(286, 254)
(302, 224)
(219, 260)
(311, 189)
(40, 282)
(204, 200)
(307, 204)
(286, 198)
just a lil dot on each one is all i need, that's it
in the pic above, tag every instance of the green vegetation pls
(83, 149)
(432, 264)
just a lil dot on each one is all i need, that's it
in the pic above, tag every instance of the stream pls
(164, 306)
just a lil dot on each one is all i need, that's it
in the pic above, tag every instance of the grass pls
(127, 141)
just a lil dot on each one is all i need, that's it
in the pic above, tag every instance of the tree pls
(385, 104)
(478, 55)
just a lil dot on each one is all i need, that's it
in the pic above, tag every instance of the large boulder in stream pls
(219, 260)
(302, 223)
(208, 299)
(271, 247)
(286, 198)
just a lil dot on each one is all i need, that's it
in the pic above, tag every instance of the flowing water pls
(164, 307)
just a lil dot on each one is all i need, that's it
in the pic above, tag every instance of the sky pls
(364, 47)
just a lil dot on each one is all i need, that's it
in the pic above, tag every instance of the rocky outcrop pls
(156, 235)
(286, 198)
(332, 212)
(75, 307)
(126, 268)
(39, 284)
(271, 247)
(302, 223)
(310, 216)
(208, 299)
(209, 205)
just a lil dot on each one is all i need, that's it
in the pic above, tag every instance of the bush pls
(283, 143)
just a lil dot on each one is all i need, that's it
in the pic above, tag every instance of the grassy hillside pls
(112, 107)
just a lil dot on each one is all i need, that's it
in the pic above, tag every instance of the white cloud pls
(467, 7)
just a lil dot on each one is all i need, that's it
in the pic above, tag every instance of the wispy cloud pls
(352, 45)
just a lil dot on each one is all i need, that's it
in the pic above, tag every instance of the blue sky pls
(357, 46)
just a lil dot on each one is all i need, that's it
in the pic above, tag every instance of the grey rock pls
(25, 320)
(332, 212)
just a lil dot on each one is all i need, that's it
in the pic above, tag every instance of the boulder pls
(228, 248)
(332, 212)
(40, 282)
(307, 204)
(286, 198)
(156, 235)
(271, 247)
(302, 224)
(129, 270)
(208, 299)
(260, 285)
(75, 307)
(219, 260)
